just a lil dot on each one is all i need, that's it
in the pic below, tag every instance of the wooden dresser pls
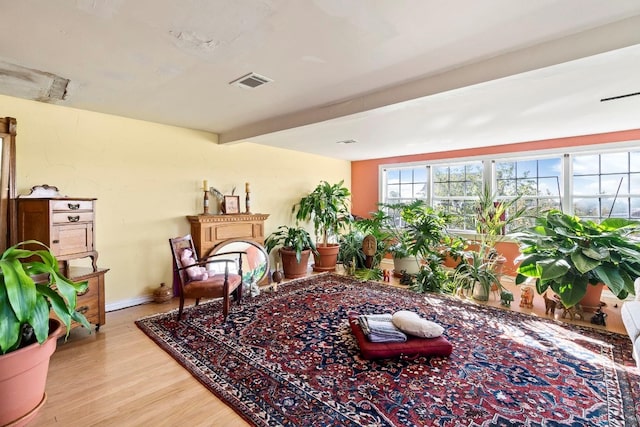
(210, 230)
(91, 303)
(65, 225)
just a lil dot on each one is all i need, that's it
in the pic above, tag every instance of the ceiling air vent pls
(251, 81)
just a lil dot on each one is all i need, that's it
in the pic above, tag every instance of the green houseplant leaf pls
(30, 285)
(568, 254)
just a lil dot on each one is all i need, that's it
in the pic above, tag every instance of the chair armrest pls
(239, 253)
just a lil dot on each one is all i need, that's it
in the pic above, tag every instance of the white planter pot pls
(409, 264)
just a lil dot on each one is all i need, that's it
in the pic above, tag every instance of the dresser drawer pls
(71, 205)
(71, 217)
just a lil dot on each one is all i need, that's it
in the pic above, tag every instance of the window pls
(604, 184)
(455, 187)
(405, 184)
(536, 181)
(593, 185)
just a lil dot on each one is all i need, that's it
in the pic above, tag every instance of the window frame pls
(489, 172)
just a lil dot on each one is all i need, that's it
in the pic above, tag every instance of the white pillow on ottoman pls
(411, 323)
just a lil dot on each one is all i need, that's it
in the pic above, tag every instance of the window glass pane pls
(634, 161)
(586, 164)
(614, 162)
(420, 174)
(613, 184)
(406, 191)
(393, 176)
(616, 209)
(586, 185)
(550, 167)
(441, 188)
(635, 207)
(586, 207)
(406, 175)
(527, 168)
(620, 207)
(505, 170)
(548, 187)
(634, 182)
(393, 191)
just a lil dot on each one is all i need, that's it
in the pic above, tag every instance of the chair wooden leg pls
(225, 307)
(181, 307)
(197, 301)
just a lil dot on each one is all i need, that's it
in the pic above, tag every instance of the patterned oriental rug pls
(289, 358)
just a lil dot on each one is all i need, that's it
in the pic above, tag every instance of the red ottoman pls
(414, 346)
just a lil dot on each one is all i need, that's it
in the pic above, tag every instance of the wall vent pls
(251, 81)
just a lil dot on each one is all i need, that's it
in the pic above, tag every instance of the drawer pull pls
(73, 206)
(73, 218)
(82, 293)
(83, 309)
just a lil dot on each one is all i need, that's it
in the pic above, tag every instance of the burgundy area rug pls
(289, 358)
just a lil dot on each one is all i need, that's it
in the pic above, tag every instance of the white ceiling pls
(399, 76)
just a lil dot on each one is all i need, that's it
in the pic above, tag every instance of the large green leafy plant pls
(412, 229)
(291, 238)
(327, 206)
(567, 254)
(30, 285)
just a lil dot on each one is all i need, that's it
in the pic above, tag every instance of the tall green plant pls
(566, 253)
(327, 206)
(25, 303)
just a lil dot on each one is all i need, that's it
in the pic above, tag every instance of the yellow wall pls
(147, 177)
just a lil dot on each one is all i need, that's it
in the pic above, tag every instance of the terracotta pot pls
(290, 265)
(591, 299)
(327, 257)
(23, 376)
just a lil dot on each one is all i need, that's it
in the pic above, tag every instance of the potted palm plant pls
(327, 206)
(295, 247)
(571, 256)
(31, 285)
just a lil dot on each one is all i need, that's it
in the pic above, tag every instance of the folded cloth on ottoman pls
(413, 346)
(380, 328)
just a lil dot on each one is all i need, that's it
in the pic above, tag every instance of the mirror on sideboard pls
(7, 181)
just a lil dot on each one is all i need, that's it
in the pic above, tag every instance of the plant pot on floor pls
(23, 376)
(591, 300)
(290, 265)
(327, 257)
(410, 265)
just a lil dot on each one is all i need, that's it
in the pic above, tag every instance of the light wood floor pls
(119, 377)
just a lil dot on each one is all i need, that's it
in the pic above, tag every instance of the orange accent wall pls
(364, 174)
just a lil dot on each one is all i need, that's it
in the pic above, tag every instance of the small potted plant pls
(327, 206)
(415, 230)
(31, 285)
(494, 219)
(295, 245)
(571, 256)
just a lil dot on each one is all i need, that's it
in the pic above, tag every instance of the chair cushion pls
(414, 346)
(213, 287)
(411, 323)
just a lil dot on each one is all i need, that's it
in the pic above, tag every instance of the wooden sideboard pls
(210, 230)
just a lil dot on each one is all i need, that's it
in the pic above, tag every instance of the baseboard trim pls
(119, 305)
